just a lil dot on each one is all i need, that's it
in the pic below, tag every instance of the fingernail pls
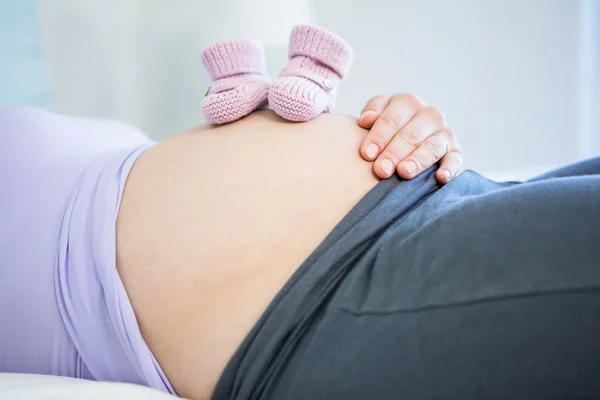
(367, 113)
(410, 167)
(371, 151)
(387, 166)
(446, 174)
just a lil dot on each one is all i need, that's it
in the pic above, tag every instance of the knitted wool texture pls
(307, 86)
(240, 83)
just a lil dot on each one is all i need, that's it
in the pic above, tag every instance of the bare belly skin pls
(214, 221)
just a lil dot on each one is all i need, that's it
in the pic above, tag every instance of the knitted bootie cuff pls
(230, 57)
(323, 46)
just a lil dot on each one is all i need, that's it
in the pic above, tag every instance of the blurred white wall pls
(592, 32)
(518, 79)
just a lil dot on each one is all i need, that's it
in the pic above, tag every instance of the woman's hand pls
(408, 136)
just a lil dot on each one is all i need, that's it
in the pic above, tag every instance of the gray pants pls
(473, 290)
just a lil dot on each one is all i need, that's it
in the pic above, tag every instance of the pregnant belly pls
(214, 221)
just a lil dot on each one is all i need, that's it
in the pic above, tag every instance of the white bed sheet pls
(45, 387)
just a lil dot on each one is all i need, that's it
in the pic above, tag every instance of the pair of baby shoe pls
(306, 87)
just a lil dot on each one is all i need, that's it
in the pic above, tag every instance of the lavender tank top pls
(63, 308)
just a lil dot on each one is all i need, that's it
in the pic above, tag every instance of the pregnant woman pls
(265, 260)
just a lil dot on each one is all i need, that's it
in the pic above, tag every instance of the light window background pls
(519, 80)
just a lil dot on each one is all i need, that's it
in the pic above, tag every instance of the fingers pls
(372, 111)
(427, 154)
(399, 111)
(406, 136)
(449, 166)
(416, 133)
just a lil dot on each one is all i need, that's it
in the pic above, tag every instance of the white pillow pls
(46, 387)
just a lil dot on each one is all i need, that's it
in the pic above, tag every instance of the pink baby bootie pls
(240, 83)
(307, 86)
